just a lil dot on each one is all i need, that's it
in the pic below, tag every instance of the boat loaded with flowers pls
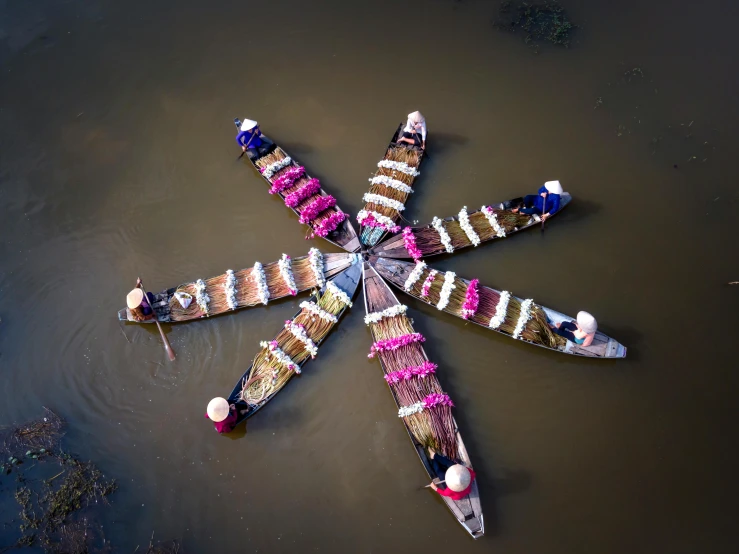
(390, 187)
(252, 286)
(296, 343)
(304, 196)
(423, 406)
(490, 308)
(467, 228)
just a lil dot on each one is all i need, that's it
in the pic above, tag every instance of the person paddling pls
(414, 131)
(223, 415)
(457, 479)
(545, 203)
(140, 305)
(249, 136)
(580, 332)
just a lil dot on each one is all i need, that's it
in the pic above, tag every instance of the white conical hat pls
(248, 124)
(457, 478)
(218, 409)
(587, 322)
(554, 187)
(134, 298)
(416, 117)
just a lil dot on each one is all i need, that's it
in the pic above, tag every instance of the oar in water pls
(167, 346)
(432, 483)
(543, 211)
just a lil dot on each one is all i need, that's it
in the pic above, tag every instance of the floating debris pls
(547, 21)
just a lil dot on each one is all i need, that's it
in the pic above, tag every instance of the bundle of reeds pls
(433, 427)
(247, 289)
(329, 213)
(536, 330)
(267, 377)
(429, 242)
(399, 154)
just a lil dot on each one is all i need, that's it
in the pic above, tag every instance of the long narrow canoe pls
(468, 511)
(390, 188)
(168, 309)
(340, 233)
(265, 387)
(485, 225)
(535, 330)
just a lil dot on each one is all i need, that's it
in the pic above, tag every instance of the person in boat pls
(140, 305)
(545, 203)
(222, 414)
(249, 136)
(582, 331)
(414, 131)
(456, 478)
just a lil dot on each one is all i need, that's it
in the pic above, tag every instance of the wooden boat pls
(468, 511)
(369, 236)
(348, 281)
(394, 247)
(168, 310)
(397, 273)
(344, 236)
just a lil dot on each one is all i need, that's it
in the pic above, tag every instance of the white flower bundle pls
(464, 222)
(298, 331)
(392, 311)
(523, 318)
(384, 201)
(399, 166)
(405, 411)
(261, 280)
(286, 270)
(230, 287)
(278, 354)
(493, 220)
(273, 168)
(500, 310)
(339, 294)
(314, 309)
(387, 223)
(316, 264)
(446, 289)
(438, 224)
(201, 296)
(415, 275)
(392, 183)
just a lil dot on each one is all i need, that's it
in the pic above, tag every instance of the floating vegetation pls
(547, 21)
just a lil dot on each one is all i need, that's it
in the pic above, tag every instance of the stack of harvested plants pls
(424, 407)
(301, 193)
(388, 193)
(298, 341)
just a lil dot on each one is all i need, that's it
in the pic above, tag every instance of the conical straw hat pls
(416, 117)
(218, 409)
(555, 187)
(457, 478)
(134, 298)
(248, 124)
(587, 322)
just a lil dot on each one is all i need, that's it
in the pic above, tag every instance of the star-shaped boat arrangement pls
(378, 259)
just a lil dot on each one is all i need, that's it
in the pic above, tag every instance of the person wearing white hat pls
(223, 415)
(139, 304)
(545, 203)
(456, 479)
(582, 331)
(249, 135)
(414, 131)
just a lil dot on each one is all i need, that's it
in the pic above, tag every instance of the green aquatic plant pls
(547, 21)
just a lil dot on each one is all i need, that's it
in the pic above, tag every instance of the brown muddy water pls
(117, 159)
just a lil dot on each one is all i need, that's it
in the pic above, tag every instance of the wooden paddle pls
(167, 346)
(439, 483)
(543, 211)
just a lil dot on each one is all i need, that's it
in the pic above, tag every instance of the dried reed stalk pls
(400, 154)
(262, 382)
(537, 329)
(435, 426)
(246, 289)
(428, 241)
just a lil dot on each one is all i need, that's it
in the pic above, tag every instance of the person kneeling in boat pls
(414, 131)
(545, 203)
(140, 305)
(249, 136)
(223, 415)
(582, 331)
(456, 478)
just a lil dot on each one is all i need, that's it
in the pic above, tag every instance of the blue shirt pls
(552, 201)
(243, 137)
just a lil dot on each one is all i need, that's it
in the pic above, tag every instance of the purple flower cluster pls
(471, 300)
(286, 180)
(409, 241)
(311, 187)
(312, 210)
(437, 400)
(325, 226)
(395, 343)
(421, 371)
